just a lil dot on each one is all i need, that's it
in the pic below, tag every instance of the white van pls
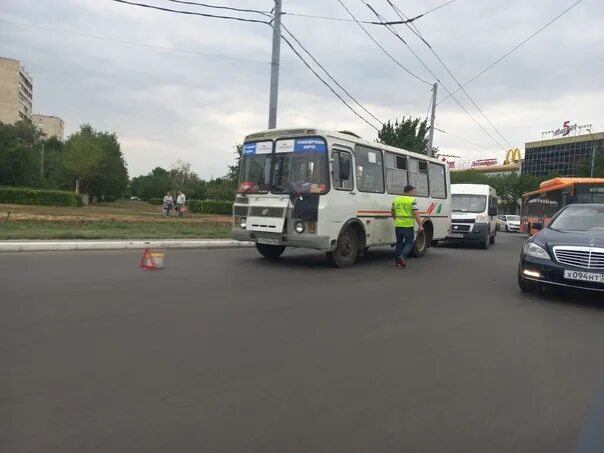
(473, 214)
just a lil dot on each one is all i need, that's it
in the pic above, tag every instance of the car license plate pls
(584, 276)
(457, 235)
(268, 241)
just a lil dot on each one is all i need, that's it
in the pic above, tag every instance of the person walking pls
(404, 212)
(168, 203)
(180, 203)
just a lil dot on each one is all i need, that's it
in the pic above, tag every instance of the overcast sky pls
(197, 102)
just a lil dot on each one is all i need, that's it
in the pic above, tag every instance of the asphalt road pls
(223, 351)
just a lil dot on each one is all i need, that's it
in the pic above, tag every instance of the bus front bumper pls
(309, 241)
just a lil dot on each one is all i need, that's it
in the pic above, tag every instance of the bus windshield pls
(300, 166)
(469, 203)
(255, 167)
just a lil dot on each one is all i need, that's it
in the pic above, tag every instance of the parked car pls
(508, 223)
(568, 252)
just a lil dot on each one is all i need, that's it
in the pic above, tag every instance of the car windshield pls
(469, 203)
(584, 218)
(301, 166)
(255, 168)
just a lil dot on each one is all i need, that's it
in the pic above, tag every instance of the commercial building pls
(51, 126)
(16, 91)
(560, 155)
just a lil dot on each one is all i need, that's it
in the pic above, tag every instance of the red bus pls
(540, 205)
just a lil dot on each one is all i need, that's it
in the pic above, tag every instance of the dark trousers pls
(404, 241)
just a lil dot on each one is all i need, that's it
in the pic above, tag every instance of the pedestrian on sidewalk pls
(181, 201)
(168, 204)
(404, 212)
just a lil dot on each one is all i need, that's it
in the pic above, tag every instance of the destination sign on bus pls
(484, 162)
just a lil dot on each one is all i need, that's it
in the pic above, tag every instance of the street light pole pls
(432, 117)
(274, 93)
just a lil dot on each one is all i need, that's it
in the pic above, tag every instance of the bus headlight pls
(243, 222)
(299, 227)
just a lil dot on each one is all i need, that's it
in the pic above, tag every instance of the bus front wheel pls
(271, 252)
(420, 245)
(346, 251)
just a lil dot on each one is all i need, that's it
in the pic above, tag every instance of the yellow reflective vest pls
(403, 206)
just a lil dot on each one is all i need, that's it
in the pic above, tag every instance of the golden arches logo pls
(512, 156)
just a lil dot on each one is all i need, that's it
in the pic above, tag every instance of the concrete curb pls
(55, 246)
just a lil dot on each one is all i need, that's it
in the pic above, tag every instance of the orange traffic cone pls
(152, 259)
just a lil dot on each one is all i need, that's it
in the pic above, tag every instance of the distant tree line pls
(89, 161)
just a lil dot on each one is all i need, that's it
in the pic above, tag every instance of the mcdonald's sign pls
(512, 156)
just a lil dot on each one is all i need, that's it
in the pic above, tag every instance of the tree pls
(20, 147)
(83, 157)
(233, 174)
(409, 134)
(112, 178)
(153, 185)
(183, 178)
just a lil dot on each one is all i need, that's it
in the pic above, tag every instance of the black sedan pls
(569, 252)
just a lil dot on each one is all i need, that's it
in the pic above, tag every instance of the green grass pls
(112, 230)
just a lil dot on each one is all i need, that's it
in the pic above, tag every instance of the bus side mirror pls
(492, 210)
(345, 165)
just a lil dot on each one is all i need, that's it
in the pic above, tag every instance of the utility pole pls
(432, 117)
(593, 156)
(272, 107)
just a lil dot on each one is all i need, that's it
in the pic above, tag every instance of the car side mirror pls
(492, 210)
(537, 225)
(345, 166)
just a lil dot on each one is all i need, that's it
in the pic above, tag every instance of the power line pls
(325, 83)
(329, 75)
(515, 48)
(131, 43)
(191, 13)
(401, 15)
(381, 47)
(342, 19)
(391, 29)
(229, 8)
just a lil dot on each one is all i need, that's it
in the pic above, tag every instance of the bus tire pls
(347, 249)
(271, 252)
(420, 244)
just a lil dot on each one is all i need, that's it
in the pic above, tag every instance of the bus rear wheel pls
(271, 252)
(346, 251)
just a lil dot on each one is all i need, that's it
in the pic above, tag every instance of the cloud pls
(169, 105)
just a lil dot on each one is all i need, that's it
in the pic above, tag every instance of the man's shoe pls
(401, 262)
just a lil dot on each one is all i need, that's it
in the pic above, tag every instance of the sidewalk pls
(53, 246)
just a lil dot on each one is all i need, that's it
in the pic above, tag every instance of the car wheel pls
(346, 251)
(420, 245)
(271, 252)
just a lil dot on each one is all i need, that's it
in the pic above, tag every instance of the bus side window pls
(346, 159)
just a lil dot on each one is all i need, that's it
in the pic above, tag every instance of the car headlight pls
(532, 249)
(299, 227)
(482, 218)
(243, 222)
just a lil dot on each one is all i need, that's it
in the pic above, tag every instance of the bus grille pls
(240, 211)
(588, 258)
(259, 211)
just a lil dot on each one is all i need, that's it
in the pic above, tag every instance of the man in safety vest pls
(404, 212)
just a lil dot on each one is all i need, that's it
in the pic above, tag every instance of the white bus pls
(333, 191)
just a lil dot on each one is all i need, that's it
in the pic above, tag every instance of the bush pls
(26, 195)
(211, 207)
(109, 199)
(156, 201)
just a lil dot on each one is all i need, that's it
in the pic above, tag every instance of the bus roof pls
(559, 183)
(272, 134)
